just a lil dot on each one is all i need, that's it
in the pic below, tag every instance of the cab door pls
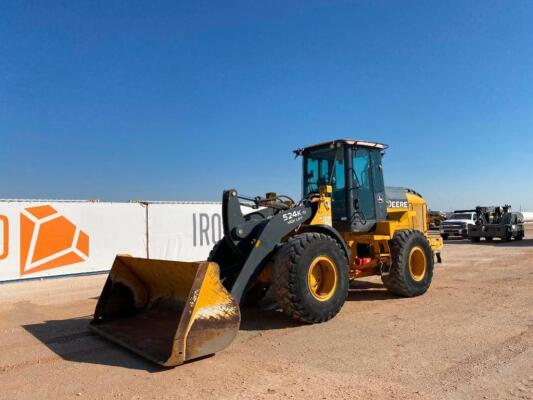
(369, 205)
(364, 207)
(379, 185)
(363, 182)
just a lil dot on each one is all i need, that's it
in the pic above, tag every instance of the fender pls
(330, 231)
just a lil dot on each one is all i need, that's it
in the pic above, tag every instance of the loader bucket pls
(166, 311)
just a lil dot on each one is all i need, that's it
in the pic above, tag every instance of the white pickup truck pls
(457, 224)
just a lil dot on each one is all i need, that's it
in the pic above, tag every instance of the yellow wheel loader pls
(348, 225)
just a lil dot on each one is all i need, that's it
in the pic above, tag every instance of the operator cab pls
(353, 169)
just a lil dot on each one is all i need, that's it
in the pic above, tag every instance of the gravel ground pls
(469, 337)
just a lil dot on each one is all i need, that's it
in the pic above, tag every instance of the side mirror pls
(356, 204)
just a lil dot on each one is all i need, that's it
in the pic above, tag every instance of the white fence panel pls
(39, 239)
(42, 238)
(182, 231)
(527, 216)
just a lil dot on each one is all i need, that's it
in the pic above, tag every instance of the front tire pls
(506, 237)
(411, 270)
(311, 277)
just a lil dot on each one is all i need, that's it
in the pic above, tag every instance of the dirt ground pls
(469, 337)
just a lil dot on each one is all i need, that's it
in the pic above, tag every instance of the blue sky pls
(179, 100)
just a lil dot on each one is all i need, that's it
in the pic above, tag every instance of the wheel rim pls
(417, 264)
(322, 278)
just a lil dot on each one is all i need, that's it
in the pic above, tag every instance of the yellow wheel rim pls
(417, 264)
(322, 278)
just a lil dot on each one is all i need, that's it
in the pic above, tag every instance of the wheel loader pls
(347, 225)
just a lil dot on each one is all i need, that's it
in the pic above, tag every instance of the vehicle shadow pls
(498, 243)
(455, 239)
(260, 319)
(269, 316)
(368, 291)
(72, 340)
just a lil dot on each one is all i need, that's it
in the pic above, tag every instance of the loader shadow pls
(72, 340)
(499, 243)
(260, 318)
(368, 291)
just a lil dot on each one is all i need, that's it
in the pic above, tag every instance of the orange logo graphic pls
(49, 240)
(5, 235)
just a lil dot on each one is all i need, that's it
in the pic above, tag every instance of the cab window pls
(323, 167)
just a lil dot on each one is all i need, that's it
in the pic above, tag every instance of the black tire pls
(489, 238)
(445, 236)
(220, 252)
(255, 294)
(400, 281)
(224, 257)
(228, 262)
(475, 239)
(292, 263)
(519, 237)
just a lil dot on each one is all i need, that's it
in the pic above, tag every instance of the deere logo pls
(49, 240)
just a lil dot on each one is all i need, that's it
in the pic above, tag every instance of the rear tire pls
(475, 239)
(489, 238)
(411, 271)
(311, 277)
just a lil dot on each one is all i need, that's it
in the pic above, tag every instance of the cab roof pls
(352, 142)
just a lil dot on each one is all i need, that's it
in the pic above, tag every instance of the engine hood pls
(456, 221)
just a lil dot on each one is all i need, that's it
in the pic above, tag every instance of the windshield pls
(461, 216)
(323, 166)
